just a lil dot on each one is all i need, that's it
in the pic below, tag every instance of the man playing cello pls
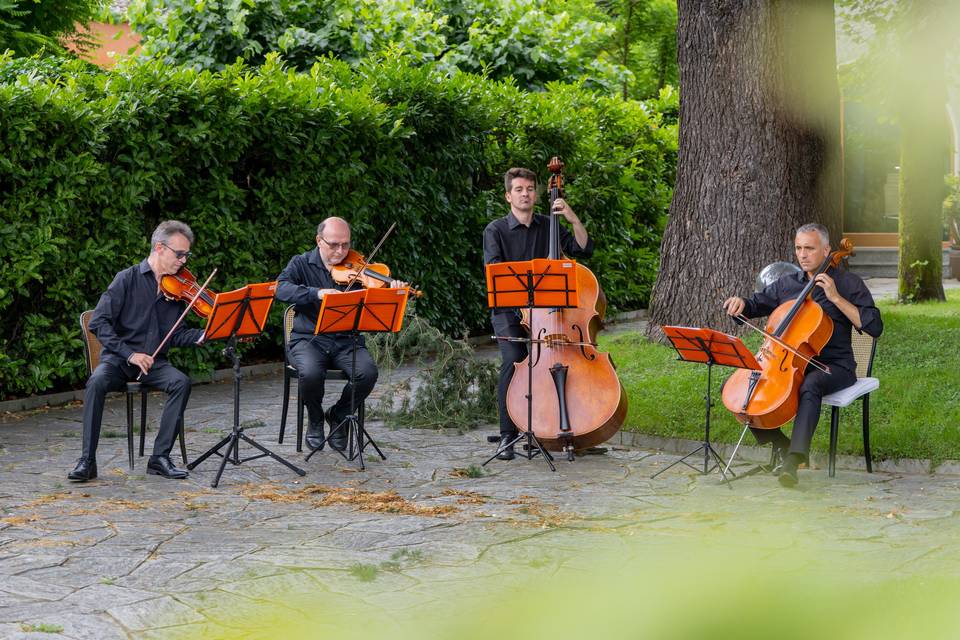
(846, 300)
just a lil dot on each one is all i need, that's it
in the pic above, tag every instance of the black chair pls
(91, 352)
(864, 350)
(290, 371)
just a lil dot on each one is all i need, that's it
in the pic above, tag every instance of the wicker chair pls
(91, 352)
(864, 349)
(290, 371)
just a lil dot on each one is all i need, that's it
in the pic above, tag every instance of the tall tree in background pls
(903, 74)
(921, 101)
(758, 149)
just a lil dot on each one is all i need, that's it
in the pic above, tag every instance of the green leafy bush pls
(253, 158)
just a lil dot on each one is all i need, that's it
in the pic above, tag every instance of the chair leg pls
(866, 433)
(143, 420)
(130, 428)
(183, 440)
(299, 418)
(286, 403)
(834, 432)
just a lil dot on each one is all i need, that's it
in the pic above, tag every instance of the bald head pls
(333, 240)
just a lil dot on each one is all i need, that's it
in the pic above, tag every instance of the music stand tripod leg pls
(533, 445)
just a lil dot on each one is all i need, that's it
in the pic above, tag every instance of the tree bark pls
(924, 135)
(758, 149)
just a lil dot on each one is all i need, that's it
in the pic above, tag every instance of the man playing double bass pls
(846, 300)
(130, 321)
(523, 235)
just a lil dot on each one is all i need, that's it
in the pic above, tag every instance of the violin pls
(183, 286)
(796, 332)
(577, 400)
(355, 268)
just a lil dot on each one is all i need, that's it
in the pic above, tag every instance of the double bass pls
(796, 332)
(578, 401)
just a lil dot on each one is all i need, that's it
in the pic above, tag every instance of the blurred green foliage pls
(253, 158)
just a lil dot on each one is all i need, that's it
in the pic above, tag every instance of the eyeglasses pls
(181, 255)
(336, 245)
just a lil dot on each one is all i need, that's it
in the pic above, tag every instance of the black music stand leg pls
(532, 446)
(706, 447)
(232, 441)
(357, 436)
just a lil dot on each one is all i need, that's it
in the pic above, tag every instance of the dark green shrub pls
(252, 159)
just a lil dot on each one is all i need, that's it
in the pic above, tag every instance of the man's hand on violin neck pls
(829, 287)
(141, 360)
(734, 306)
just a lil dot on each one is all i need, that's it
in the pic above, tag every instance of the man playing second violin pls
(130, 321)
(304, 283)
(845, 298)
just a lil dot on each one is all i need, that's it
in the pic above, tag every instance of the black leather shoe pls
(86, 469)
(507, 453)
(788, 472)
(163, 466)
(338, 437)
(314, 437)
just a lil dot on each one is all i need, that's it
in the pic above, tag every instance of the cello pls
(796, 332)
(577, 399)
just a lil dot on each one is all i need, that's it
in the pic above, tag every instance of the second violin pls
(355, 268)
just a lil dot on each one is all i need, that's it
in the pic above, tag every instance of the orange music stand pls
(538, 283)
(369, 311)
(708, 347)
(239, 314)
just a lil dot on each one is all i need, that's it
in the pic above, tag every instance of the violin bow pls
(366, 261)
(180, 319)
(816, 363)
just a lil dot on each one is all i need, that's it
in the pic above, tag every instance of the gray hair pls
(323, 225)
(167, 229)
(813, 227)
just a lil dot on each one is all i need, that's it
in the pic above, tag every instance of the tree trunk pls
(924, 136)
(758, 149)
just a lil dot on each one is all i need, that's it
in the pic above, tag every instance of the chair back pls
(864, 348)
(288, 315)
(91, 346)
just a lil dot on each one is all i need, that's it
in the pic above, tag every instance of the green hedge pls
(253, 158)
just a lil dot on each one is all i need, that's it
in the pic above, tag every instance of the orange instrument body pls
(578, 401)
(183, 286)
(354, 268)
(768, 398)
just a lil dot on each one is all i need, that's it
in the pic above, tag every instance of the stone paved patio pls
(130, 555)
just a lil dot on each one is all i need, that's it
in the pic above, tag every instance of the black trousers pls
(312, 359)
(110, 376)
(816, 384)
(510, 352)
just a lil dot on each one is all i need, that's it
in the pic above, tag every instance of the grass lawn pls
(914, 414)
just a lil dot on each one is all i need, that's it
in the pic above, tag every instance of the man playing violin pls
(304, 282)
(845, 298)
(523, 235)
(130, 321)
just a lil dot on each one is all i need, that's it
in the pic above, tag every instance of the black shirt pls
(298, 284)
(506, 240)
(132, 316)
(838, 350)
